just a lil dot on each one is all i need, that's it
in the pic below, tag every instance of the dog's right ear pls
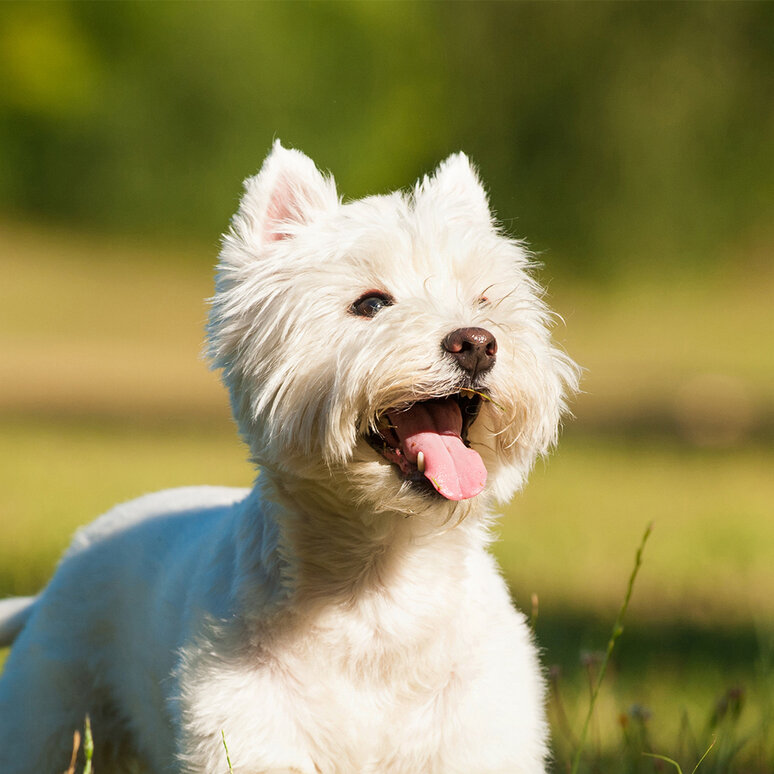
(288, 193)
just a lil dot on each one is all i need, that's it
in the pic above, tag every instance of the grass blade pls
(668, 760)
(225, 747)
(617, 631)
(676, 764)
(88, 745)
(706, 753)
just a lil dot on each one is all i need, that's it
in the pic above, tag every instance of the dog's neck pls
(318, 553)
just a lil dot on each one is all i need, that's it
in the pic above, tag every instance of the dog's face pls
(396, 345)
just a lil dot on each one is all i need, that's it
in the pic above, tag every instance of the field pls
(104, 396)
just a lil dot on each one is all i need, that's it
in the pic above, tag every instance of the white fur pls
(333, 620)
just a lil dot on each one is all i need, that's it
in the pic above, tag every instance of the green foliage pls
(609, 133)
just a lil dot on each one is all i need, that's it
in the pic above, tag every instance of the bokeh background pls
(632, 145)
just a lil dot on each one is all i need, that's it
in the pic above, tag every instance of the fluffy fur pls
(337, 618)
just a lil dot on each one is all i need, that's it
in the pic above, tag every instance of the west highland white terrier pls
(390, 367)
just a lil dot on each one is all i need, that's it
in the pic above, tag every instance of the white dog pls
(391, 369)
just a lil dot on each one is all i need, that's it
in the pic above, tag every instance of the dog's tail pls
(14, 613)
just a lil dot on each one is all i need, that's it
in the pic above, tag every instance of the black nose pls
(474, 349)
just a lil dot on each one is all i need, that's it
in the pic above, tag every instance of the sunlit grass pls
(91, 322)
(572, 548)
(647, 344)
(93, 326)
(711, 556)
(103, 397)
(62, 475)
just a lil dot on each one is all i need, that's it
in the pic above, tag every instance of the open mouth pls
(428, 442)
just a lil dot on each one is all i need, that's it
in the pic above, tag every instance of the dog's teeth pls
(466, 393)
(421, 462)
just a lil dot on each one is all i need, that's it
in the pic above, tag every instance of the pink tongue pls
(434, 428)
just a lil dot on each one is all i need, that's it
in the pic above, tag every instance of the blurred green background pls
(632, 144)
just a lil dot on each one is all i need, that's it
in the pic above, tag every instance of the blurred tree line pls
(608, 133)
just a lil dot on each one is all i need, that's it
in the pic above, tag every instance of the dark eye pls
(370, 303)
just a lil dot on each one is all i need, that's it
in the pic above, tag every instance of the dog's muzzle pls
(428, 442)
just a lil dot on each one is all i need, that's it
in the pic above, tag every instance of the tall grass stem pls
(676, 764)
(88, 745)
(617, 631)
(225, 747)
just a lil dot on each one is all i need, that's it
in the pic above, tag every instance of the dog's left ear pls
(288, 193)
(455, 184)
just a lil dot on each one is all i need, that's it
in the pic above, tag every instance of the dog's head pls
(396, 346)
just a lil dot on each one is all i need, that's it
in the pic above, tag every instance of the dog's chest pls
(371, 706)
(412, 688)
(330, 703)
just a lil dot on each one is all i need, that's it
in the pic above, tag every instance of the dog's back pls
(102, 638)
(14, 613)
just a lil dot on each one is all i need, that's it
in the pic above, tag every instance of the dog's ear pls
(288, 192)
(455, 184)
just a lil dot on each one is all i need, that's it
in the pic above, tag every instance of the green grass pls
(596, 684)
(103, 397)
(711, 556)
(685, 349)
(97, 325)
(691, 631)
(565, 538)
